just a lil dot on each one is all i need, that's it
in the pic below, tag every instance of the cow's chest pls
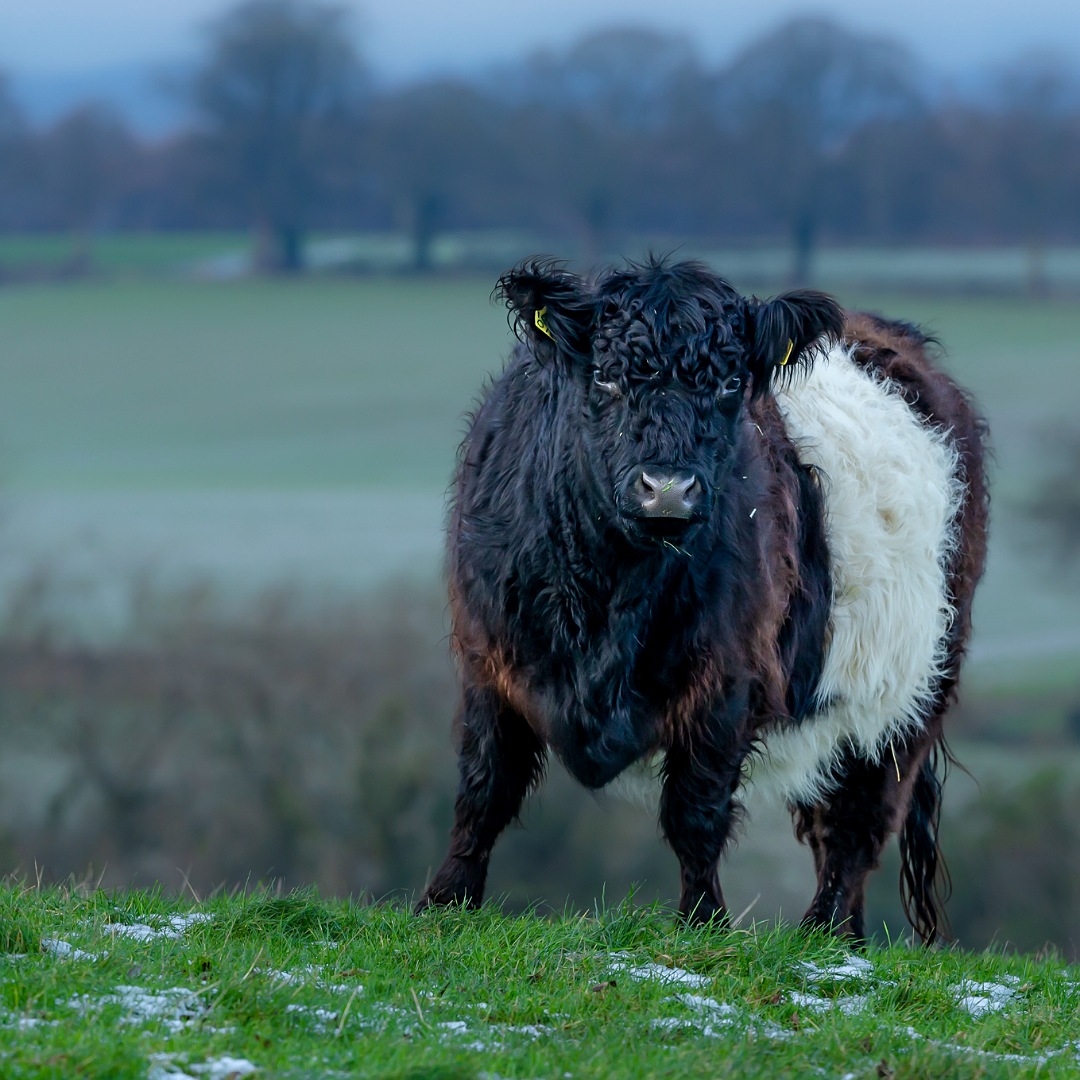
(601, 692)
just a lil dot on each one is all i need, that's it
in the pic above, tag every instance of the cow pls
(739, 537)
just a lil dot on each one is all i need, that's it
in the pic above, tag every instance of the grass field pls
(251, 385)
(363, 383)
(258, 430)
(293, 986)
(125, 253)
(1000, 270)
(226, 255)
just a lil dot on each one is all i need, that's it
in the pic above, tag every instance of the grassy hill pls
(131, 985)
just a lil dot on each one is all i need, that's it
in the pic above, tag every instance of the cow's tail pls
(925, 885)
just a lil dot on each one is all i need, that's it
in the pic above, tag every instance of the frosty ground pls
(138, 985)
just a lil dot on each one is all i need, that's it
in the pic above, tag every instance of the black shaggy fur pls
(593, 625)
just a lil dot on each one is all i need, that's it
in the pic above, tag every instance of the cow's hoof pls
(459, 882)
(703, 910)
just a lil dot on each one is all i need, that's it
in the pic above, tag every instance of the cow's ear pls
(788, 331)
(549, 308)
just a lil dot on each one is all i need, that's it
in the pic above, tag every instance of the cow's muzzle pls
(662, 499)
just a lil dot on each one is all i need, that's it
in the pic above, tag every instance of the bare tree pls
(439, 149)
(593, 124)
(277, 101)
(18, 163)
(12, 123)
(795, 98)
(1035, 128)
(622, 78)
(88, 159)
(1054, 506)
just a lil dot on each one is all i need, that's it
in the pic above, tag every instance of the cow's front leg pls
(697, 811)
(500, 759)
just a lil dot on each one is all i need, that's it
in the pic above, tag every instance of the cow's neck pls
(608, 641)
(601, 595)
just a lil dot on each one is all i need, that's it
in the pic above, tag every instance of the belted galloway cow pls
(738, 536)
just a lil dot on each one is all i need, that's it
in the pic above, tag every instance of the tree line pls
(812, 133)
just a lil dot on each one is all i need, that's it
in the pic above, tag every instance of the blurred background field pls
(266, 430)
(229, 419)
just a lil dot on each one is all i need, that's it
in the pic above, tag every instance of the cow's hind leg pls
(848, 828)
(500, 759)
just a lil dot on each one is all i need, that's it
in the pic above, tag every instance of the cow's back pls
(898, 449)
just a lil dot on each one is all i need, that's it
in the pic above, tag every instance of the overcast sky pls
(403, 38)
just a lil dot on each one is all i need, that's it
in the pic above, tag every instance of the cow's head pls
(663, 358)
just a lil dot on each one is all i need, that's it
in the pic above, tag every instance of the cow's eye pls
(731, 385)
(611, 388)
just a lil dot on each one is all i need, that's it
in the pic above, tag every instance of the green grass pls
(122, 253)
(308, 384)
(301, 987)
(914, 269)
(171, 254)
(363, 383)
(1002, 269)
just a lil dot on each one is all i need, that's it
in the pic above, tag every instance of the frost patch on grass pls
(379, 1015)
(496, 1076)
(854, 967)
(707, 1004)
(310, 974)
(810, 1002)
(174, 1008)
(671, 1023)
(173, 926)
(66, 951)
(490, 1038)
(534, 1031)
(481, 1037)
(23, 1023)
(657, 973)
(164, 1067)
(851, 969)
(996, 1055)
(323, 1020)
(382, 1012)
(849, 1006)
(717, 1019)
(454, 1026)
(981, 998)
(676, 1023)
(290, 977)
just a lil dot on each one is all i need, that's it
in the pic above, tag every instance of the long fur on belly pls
(891, 497)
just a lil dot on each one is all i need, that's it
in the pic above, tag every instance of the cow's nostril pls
(649, 486)
(692, 491)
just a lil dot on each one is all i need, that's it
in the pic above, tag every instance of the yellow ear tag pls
(538, 318)
(787, 355)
